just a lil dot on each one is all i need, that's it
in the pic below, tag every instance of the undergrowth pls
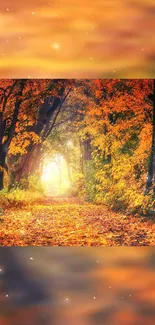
(19, 198)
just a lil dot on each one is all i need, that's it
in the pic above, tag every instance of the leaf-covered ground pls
(68, 222)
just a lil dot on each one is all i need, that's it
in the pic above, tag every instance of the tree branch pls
(55, 118)
(6, 97)
(15, 115)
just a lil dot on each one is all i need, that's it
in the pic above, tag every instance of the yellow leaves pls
(121, 132)
(103, 241)
(95, 111)
(1, 169)
(4, 139)
(21, 142)
(145, 141)
(35, 138)
(67, 222)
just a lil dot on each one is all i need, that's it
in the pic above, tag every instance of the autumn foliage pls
(111, 125)
(120, 128)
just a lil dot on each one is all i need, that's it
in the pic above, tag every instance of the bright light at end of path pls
(48, 170)
(55, 176)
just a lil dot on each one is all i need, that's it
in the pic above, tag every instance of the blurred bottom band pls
(70, 285)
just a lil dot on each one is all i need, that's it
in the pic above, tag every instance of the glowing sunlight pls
(55, 176)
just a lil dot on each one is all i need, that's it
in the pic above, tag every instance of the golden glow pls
(74, 38)
(56, 46)
(55, 177)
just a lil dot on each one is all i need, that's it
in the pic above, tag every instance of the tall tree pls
(8, 121)
(27, 109)
(120, 126)
(46, 115)
(150, 183)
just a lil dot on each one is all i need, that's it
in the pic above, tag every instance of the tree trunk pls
(69, 172)
(150, 183)
(87, 149)
(1, 179)
(25, 166)
(153, 141)
(2, 165)
(33, 164)
(81, 156)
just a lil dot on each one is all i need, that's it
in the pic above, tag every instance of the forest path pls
(70, 222)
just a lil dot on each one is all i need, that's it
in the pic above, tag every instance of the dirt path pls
(68, 222)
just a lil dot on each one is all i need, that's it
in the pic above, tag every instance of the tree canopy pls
(110, 123)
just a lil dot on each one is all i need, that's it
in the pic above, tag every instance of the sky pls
(71, 39)
(84, 286)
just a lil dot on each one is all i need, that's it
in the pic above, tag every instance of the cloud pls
(117, 35)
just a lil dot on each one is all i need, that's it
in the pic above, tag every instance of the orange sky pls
(84, 38)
